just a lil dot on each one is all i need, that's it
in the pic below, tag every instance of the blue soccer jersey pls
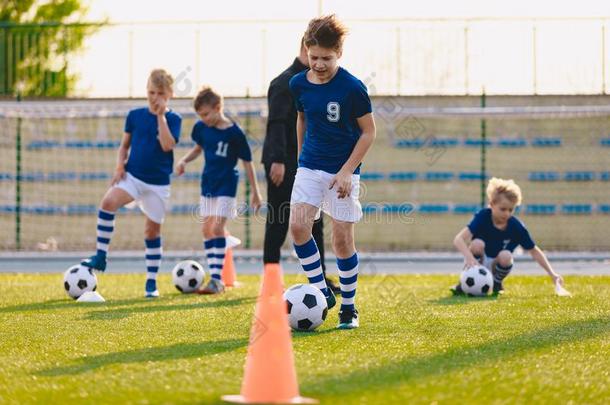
(515, 234)
(147, 161)
(331, 110)
(221, 148)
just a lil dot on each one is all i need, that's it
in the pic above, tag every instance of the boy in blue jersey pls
(494, 233)
(144, 165)
(223, 143)
(335, 129)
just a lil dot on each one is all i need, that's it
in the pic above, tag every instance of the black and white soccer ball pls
(79, 279)
(187, 276)
(307, 307)
(477, 281)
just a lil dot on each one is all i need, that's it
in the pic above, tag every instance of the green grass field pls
(415, 344)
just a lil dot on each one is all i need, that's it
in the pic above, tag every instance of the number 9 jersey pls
(331, 110)
(221, 149)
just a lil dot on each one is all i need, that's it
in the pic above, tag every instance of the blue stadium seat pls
(433, 208)
(409, 143)
(404, 209)
(466, 208)
(439, 176)
(476, 142)
(81, 209)
(78, 144)
(93, 176)
(106, 144)
(402, 176)
(605, 142)
(540, 209)
(61, 176)
(251, 113)
(578, 209)
(543, 176)
(370, 208)
(253, 142)
(43, 209)
(191, 176)
(185, 144)
(184, 209)
(512, 142)
(604, 208)
(34, 176)
(372, 176)
(442, 142)
(579, 176)
(470, 176)
(546, 142)
(390, 208)
(7, 209)
(42, 144)
(603, 176)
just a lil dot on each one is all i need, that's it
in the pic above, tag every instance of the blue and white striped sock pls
(309, 256)
(348, 280)
(105, 227)
(501, 272)
(215, 254)
(154, 251)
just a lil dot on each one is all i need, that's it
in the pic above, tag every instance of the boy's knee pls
(505, 258)
(108, 204)
(477, 247)
(299, 232)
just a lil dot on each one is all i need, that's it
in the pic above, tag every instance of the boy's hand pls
(470, 262)
(343, 181)
(180, 168)
(119, 175)
(256, 201)
(160, 106)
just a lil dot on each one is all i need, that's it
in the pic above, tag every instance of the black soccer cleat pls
(457, 290)
(348, 319)
(330, 299)
(95, 262)
(498, 288)
(332, 286)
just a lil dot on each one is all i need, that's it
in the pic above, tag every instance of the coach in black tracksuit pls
(280, 161)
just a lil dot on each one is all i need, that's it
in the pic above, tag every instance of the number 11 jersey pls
(221, 149)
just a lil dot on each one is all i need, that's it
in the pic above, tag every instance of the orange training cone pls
(228, 269)
(270, 376)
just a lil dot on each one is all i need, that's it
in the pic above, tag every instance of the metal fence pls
(420, 183)
(393, 56)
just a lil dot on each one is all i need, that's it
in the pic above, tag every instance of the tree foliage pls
(37, 40)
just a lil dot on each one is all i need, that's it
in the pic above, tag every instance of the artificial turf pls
(416, 344)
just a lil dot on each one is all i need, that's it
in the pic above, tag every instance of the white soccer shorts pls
(152, 199)
(311, 187)
(222, 206)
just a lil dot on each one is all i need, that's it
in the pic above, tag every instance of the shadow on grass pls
(153, 354)
(69, 303)
(391, 375)
(313, 333)
(461, 300)
(120, 313)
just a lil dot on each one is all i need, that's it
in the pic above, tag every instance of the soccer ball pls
(306, 307)
(477, 280)
(188, 276)
(79, 279)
